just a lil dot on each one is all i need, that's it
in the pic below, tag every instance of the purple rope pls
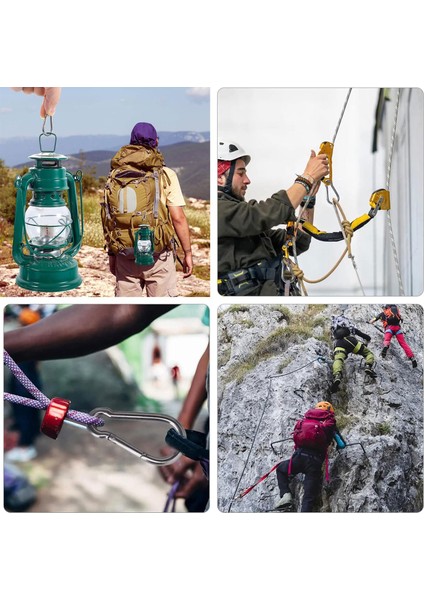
(41, 401)
(171, 497)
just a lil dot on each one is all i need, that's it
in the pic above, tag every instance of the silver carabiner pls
(328, 193)
(138, 416)
(44, 125)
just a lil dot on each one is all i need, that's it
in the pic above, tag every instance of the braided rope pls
(39, 400)
(388, 213)
(342, 114)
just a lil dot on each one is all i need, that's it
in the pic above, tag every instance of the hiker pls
(249, 250)
(51, 96)
(312, 435)
(345, 343)
(142, 191)
(392, 319)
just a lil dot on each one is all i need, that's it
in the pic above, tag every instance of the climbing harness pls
(58, 412)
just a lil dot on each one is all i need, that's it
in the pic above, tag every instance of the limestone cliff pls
(274, 362)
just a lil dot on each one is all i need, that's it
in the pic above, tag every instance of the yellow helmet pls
(325, 406)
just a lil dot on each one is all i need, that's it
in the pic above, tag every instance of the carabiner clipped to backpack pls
(136, 416)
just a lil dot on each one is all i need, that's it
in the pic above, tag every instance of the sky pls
(101, 110)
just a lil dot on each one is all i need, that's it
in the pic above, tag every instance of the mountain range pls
(187, 152)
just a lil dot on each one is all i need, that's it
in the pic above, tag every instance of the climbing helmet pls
(325, 406)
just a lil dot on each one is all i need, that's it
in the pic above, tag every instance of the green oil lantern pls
(49, 228)
(144, 244)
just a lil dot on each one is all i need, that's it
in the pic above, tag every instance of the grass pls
(383, 428)
(199, 218)
(298, 328)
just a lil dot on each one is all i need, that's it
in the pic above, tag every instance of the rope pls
(347, 234)
(388, 175)
(342, 115)
(41, 401)
(251, 447)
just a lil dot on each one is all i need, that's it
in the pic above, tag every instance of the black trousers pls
(311, 466)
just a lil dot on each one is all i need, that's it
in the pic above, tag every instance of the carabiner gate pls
(138, 416)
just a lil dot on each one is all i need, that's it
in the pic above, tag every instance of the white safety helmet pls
(232, 151)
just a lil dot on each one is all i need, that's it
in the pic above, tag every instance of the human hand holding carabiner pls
(317, 166)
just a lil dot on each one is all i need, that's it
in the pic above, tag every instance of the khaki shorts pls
(158, 280)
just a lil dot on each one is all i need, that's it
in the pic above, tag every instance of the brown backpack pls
(132, 197)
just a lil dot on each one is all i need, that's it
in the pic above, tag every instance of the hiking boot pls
(285, 504)
(384, 351)
(370, 372)
(336, 383)
(414, 362)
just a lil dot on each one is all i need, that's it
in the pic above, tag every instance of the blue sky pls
(99, 110)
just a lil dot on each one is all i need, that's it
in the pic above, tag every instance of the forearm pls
(196, 394)
(181, 227)
(80, 330)
(296, 193)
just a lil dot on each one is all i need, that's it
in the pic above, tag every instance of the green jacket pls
(244, 230)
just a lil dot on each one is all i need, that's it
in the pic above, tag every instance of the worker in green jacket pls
(249, 250)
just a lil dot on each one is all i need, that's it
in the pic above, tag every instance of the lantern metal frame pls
(45, 268)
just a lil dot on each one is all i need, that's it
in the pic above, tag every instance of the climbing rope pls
(39, 400)
(388, 175)
(342, 115)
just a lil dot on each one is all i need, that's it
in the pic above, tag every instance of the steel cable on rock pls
(270, 377)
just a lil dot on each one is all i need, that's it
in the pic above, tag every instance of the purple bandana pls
(144, 134)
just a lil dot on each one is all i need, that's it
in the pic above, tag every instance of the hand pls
(187, 264)
(51, 98)
(317, 166)
(188, 472)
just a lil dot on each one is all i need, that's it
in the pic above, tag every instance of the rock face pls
(274, 363)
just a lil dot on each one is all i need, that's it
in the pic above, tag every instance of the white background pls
(219, 44)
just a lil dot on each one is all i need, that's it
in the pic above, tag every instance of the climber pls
(344, 332)
(312, 436)
(391, 318)
(249, 244)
